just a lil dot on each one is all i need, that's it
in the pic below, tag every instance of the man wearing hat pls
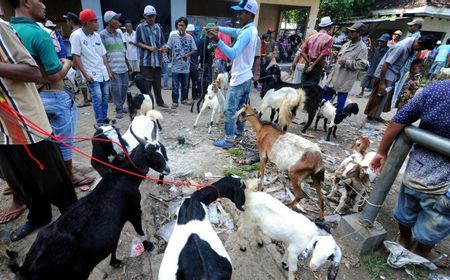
(242, 53)
(193, 70)
(56, 36)
(378, 54)
(315, 49)
(414, 27)
(395, 38)
(113, 40)
(351, 59)
(150, 40)
(89, 55)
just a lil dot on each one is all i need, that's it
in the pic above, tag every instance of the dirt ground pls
(198, 161)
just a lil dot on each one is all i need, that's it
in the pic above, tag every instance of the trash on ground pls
(399, 257)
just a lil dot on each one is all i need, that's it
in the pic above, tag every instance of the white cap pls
(325, 21)
(109, 15)
(246, 5)
(49, 23)
(149, 10)
(190, 28)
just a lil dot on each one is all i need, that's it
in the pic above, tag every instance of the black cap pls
(72, 16)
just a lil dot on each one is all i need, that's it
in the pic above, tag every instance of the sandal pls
(7, 215)
(22, 231)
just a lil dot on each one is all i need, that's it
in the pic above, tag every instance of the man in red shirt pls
(220, 60)
(315, 49)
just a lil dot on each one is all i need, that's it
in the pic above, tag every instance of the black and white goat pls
(327, 111)
(194, 250)
(266, 214)
(215, 101)
(140, 104)
(313, 92)
(222, 82)
(88, 232)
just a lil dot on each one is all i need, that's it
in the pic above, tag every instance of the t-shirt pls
(227, 40)
(428, 171)
(132, 50)
(23, 97)
(38, 42)
(179, 45)
(114, 44)
(396, 57)
(91, 51)
(443, 52)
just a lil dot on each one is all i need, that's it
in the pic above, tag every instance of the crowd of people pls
(104, 62)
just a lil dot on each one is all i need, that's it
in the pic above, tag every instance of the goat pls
(194, 250)
(107, 151)
(361, 145)
(313, 92)
(203, 83)
(328, 112)
(265, 214)
(285, 100)
(88, 232)
(223, 82)
(140, 104)
(215, 101)
(299, 156)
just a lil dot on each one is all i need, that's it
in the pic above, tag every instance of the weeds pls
(376, 266)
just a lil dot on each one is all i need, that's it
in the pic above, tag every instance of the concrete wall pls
(96, 7)
(178, 9)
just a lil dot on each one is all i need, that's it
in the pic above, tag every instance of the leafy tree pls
(343, 9)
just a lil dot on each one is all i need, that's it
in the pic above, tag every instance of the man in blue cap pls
(377, 55)
(242, 53)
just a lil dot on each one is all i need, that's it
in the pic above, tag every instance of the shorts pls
(134, 64)
(427, 214)
(219, 66)
(80, 80)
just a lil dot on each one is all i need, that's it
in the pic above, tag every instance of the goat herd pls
(89, 231)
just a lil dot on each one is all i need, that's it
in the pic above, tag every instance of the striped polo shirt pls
(115, 50)
(21, 97)
(150, 36)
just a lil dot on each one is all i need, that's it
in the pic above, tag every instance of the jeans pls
(427, 214)
(99, 92)
(177, 79)
(342, 97)
(165, 74)
(119, 88)
(236, 97)
(62, 114)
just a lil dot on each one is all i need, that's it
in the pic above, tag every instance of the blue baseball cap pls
(385, 37)
(247, 5)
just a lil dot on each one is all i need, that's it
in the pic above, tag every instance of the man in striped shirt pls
(113, 40)
(31, 164)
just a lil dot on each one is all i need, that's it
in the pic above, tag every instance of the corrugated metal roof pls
(371, 20)
(408, 4)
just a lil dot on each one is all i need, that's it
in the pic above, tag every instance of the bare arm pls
(79, 64)
(20, 72)
(256, 68)
(144, 46)
(312, 66)
(382, 86)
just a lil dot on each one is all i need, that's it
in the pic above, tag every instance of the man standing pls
(314, 51)
(59, 104)
(74, 23)
(193, 69)
(242, 53)
(220, 60)
(442, 59)
(113, 40)
(150, 40)
(295, 40)
(388, 72)
(37, 187)
(351, 59)
(182, 47)
(132, 50)
(395, 38)
(423, 206)
(89, 55)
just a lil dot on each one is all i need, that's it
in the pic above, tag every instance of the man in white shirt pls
(242, 53)
(132, 51)
(90, 55)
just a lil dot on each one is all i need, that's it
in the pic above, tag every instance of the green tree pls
(343, 9)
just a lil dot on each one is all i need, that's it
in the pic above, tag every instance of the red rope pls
(9, 111)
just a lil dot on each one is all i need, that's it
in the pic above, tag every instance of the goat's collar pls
(134, 135)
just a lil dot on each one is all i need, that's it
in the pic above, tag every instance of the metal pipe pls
(429, 140)
(383, 184)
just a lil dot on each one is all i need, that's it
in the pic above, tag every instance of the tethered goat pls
(328, 112)
(215, 101)
(299, 156)
(194, 250)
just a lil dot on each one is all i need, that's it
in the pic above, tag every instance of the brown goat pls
(299, 156)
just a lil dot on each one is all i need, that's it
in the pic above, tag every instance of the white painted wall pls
(96, 7)
(437, 24)
(178, 8)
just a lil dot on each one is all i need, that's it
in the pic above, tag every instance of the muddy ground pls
(198, 161)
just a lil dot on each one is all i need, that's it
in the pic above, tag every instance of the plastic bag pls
(137, 247)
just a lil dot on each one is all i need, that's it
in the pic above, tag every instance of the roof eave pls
(425, 11)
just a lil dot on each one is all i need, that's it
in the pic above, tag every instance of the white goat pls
(223, 82)
(264, 213)
(215, 101)
(327, 111)
(146, 126)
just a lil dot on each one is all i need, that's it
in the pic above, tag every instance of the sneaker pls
(186, 102)
(174, 106)
(224, 144)
(163, 105)
(119, 116)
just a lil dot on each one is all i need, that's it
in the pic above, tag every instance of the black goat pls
(313, 92)
(328, 112)
(194, 250)
(88, 232)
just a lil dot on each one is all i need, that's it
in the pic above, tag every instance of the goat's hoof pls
(148, 245)
(115, 263)
(285, 266)
(243, 249)
(260, 244)
(303, 131)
